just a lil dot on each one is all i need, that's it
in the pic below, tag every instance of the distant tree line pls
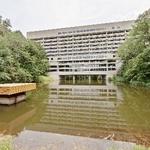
(21, 60)
(135, 53)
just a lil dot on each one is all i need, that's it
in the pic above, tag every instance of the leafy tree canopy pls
(135, 52)
(21, 60)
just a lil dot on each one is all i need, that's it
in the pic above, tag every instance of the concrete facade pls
(83, 50)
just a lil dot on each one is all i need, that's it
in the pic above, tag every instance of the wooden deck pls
(15, 92)
(16, 88)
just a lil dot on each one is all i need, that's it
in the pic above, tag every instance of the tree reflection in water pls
(135, 109)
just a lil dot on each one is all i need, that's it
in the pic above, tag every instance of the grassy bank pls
(6, 143)
(136, 147)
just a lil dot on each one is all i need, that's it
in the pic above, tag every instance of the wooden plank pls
(16, 88)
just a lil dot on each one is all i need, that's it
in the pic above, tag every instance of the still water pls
(98, 110)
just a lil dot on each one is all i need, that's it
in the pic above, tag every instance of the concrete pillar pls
(89, 79)
(74, 79)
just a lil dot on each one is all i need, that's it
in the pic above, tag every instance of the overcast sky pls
(28, 15)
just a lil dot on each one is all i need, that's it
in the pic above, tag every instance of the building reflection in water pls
(86, 110)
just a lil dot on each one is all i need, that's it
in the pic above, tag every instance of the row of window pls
(90, 41)
(83, 57)
(111, 42)
(85, 46)
(87, 40)
(54, 54)
(82, 49)
(84, 65)
(115, 37)
(81, 70)
(116, 32)
(88, 61)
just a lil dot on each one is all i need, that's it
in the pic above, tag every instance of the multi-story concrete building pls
(84, 50)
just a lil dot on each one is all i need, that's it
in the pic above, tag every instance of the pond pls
(100, 110)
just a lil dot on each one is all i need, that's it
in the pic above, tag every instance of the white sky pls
(28, 15)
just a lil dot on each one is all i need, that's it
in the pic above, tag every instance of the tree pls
(7, 23)
(21, 60)
(135, 52)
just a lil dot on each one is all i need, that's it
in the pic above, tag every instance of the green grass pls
(136, 147)
(6, 143)
(139, 147)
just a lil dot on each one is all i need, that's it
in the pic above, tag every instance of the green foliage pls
(135, 53)
(44, 79)
(21, 60)
(136, 147)
(139, 147)
(6, 143)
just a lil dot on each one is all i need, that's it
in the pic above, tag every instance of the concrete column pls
(89, 79)
(74, 79)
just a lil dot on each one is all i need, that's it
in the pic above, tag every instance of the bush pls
(21, 60)
(44, 79)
